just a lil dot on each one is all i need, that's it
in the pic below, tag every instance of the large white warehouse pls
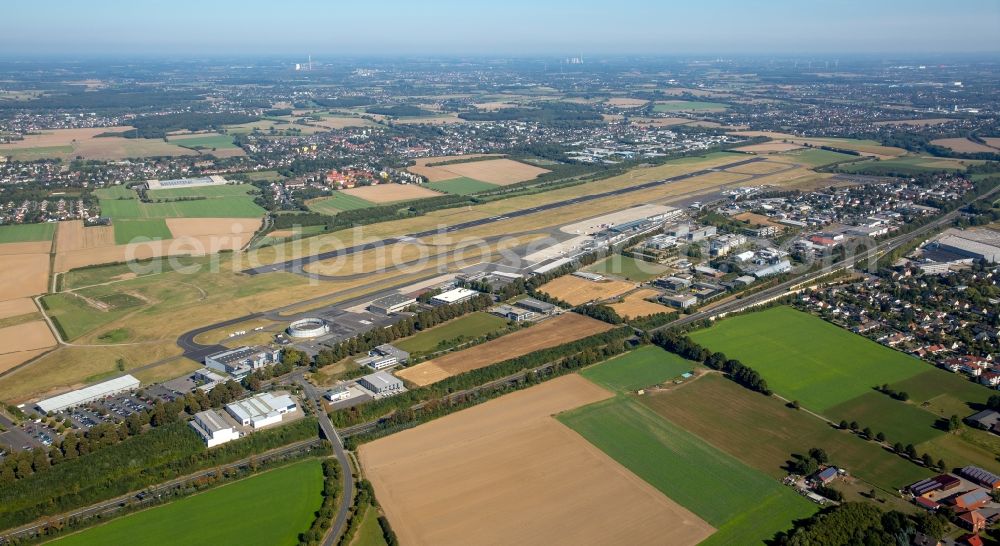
(97, 391)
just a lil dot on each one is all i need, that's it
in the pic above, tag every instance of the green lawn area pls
(222, 142)
(468, 327)
(228, 190)
(298, 233)
(805, 358)
(461, 186)
(689, 106)
(338, 202)
(763, 433)
(899, 421)
(22, 233)
(904, 165)
(116, 192)
(264, 175)
(75, 317)
(967, 447)
(128, 230)
(271, 508)
(745, 505)
(630, 268)
(944, 393)
(36, 153)
(815, 157)
(370, 532)
(88, 276)
(229, 207)
(643, 367)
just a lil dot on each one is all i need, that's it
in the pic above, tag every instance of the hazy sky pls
(523, 27)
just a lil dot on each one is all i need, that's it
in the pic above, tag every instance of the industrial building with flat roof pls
(261, 409)
(384, 356)
(393, 303)
(213, 180)
(531, 304)
(381, 383)
(98, 391)
(213, 428)
(457, 295)
(243, 360)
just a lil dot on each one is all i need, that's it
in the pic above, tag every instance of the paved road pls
(298, 263)
(347, 498)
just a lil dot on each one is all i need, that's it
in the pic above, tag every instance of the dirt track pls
(552, 332)
(506, 472)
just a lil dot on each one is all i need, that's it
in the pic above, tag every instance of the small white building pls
(458, 295)
(261, 409)
(338, 394)
(213, 428)
(381, 383)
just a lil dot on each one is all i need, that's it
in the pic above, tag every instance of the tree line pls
(683, 346)
(324, 516)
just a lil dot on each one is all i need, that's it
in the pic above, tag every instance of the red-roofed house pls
(972, 520)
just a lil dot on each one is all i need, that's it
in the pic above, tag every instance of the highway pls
(297, 264)
(346, 472)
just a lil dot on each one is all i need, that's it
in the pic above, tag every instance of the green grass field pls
(689, 106)
(815, 157)
(271, 508)
(128, 230)
(370, 532)
(36, 153)
(461, 186)
(643, 367)
(967, 447)
(116, 192)
(23, 233)
(745, 505)
(468, 327)
(899, 421)
(630, 268)
(805, 358)
(210, 192)
(221, 142)
(338, 202)
(763, 433)
(230, 207)
(903, 165)
(944, 393)
(75, 317)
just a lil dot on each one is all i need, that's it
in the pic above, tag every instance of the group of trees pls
(602, 313)
(159, 125)
(861, 523)
(364, 500)
(683, 346)
(423, 320)
(156, 456)
(324, 516)
(560, 113)
(902, 396)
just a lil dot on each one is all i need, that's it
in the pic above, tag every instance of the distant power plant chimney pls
(310, 62)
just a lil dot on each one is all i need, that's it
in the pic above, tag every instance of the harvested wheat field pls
(760, 167)
(496, 171)
(341, 122)
(28, 247)
(193, 227)
(388, 193)
(9, 361)
(506, 472)
(963, 145)
(16, 307)
(437, 174)
(199, 245)
(576, 291)
(549, 333)
(73, 235)
(768, 147)
(622, 102)
(635, 305)
(23, 274)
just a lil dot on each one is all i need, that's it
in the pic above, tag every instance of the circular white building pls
(308, 328)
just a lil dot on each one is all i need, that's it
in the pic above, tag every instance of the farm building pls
(458, 295)
(100, 390)
(971, 500)
(972, 521)
(980, 476)
(393, 303)
(825, 476)
(240, 362)
(987, 420)
(944, 482)
(213, 428)
(381, 383)
(261, 409)
(384, 356)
